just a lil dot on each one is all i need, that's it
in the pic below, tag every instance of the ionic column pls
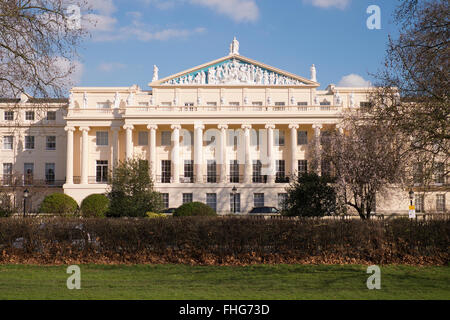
(84, 155)
(223, 152)
(152, 149)
(293, 128)
(115, 145)
(198, 152)
(176, 153)
(270, 128)
(248, 160)
(129, 141)
(69, 159)
(317, 128)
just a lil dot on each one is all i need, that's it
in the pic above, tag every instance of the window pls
(258, 199)
(29, 142)
(7, 173)
(365, 106)
(233, 137)
(280, 173)
(51, 115)
(49, 173)
(419, 203)
(257, 177)
(279, 106)
(234, 171)
(166, 171)
(102, 138)
(418, 173)
(235, 202)
(211, 171)
(302, 106)
(8, 142)
(325, 168)
(439, 173)
(165, 200)
(188, 138)
(143, 138)
(189, 106)
(302, 103)
(236, 104)
(211, 106)
(28, 170)
(254, 137)
(257, 105)
(325, 103)
(302, 166)
(165, 138)
(50, 143)
(102, 171)
(302, 137)
(211, 200)
(29, 115)
(189, 170)
(187, 198)
(9, 115)
(282, 201)
(440, 202)
(103, 105)
(279, 137)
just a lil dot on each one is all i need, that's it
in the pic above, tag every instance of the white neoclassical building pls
(231, 122)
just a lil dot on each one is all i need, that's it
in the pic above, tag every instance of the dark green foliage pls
(95, 205)
(6, 205)
(131, 190)
(310, 196)
(194, 209)
(58, 203)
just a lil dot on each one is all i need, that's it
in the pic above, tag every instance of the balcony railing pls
(13, 180)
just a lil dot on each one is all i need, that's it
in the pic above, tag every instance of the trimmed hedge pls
(58, 203)
(95, 205)
(224, 240)
(194, 209)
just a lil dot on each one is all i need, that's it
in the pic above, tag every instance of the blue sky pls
(131, 36)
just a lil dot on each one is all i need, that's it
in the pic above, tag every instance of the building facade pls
(232, 122)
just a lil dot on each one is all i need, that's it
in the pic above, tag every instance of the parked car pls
(264, 210)
(169, 210)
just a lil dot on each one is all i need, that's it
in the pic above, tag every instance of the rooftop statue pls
(234, 47)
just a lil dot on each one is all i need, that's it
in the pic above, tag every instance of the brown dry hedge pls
(223, 241)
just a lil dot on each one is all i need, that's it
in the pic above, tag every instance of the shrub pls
(58, 203)
(131, 190)
(194, 209)
(95, 205)
(156, 215)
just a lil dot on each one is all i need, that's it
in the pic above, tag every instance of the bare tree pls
(412, 97)
(365, 160)
(38, 46)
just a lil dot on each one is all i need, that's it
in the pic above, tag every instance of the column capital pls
(175, 127)
(269, 126)
(69, 128)
(246, 126)
(222, 126)
(152, 127)
(199, 126)
(85, 129)
(317, 126)
(128, 126)
(293, 126)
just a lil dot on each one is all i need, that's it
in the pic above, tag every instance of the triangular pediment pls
(234, 70)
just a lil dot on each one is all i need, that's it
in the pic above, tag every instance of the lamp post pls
(26, 193)
(234, 190)
(411, 197)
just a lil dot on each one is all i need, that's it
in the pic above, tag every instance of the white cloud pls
(63, 66)
(353, 80)
(238, 10)
(340, 4)
(104, 7)
(95, 22)
(110, 66)
(142, 34)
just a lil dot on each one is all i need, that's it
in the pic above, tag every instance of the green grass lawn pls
(220, 282)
